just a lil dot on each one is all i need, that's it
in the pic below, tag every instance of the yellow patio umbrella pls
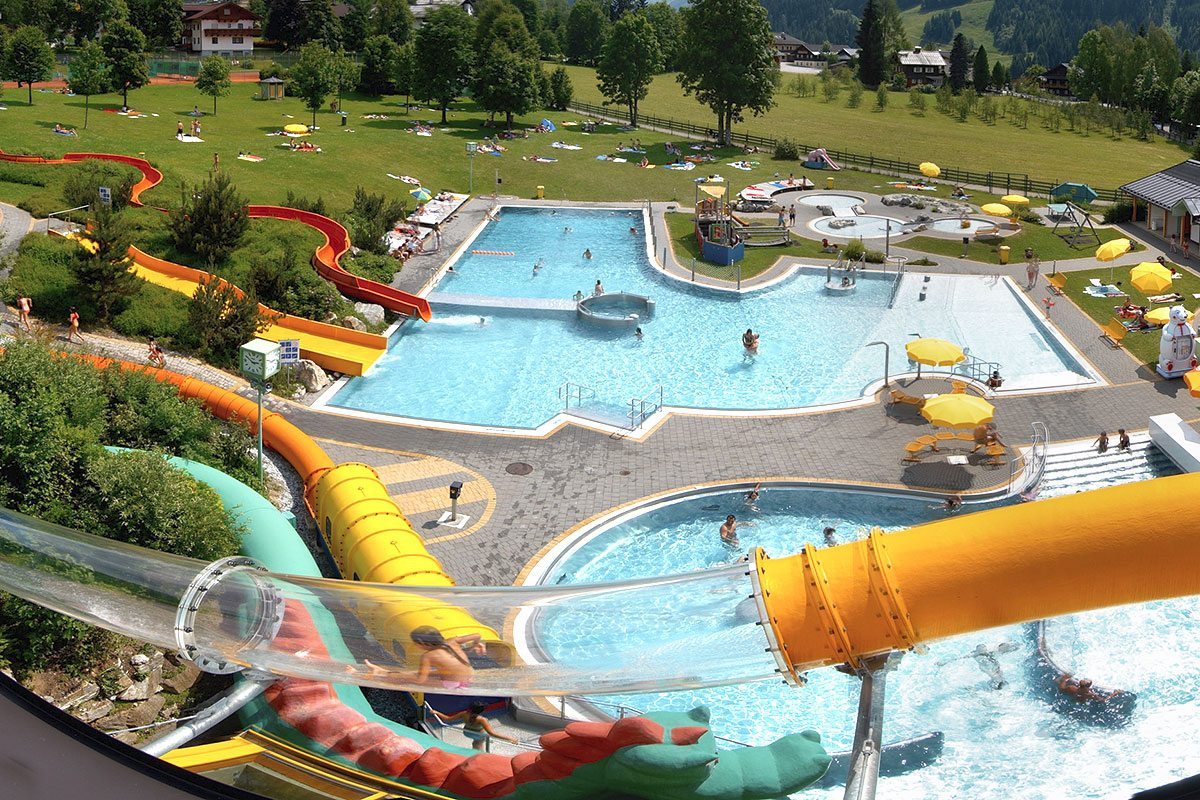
(1015, 200)
(957, 410)
(1192, 381)
(1162, 315)
(1150, 277)
(296, 127)
(929, 169)
(1113, 249)
(996, 210)
(934, 352)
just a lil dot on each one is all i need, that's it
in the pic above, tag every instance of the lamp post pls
(259, 362)
(472, 149)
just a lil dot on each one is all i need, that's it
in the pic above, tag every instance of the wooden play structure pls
(717, 232)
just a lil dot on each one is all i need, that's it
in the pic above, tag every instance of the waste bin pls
(1004, 253)
(541, 192)
(829, 182)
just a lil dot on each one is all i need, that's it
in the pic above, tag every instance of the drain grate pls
(519, 468)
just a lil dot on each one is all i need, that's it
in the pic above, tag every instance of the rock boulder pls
(353, 323)
(372, 312)
(311, 376)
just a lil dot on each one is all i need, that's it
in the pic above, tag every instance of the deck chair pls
(995, 455)
(897, 396)
(928, 441)
(959, 387)
(1113, 332)
(1056, 283)
(912, 452)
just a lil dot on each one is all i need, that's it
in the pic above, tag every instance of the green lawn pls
(899, 133)
(1143, 345)
(362, 158)
(757, 260)
(1048, 245)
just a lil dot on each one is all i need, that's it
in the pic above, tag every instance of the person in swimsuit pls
(179, 129)
(1080, 689)
(1101, 443)
(729, 536)
(1122, 440)
(24, 307)
(750, 342)
(475, 725)
(73, 326)
(155, 355)
(444, 661)
(598, 289)
(752, 495)
(829, 532)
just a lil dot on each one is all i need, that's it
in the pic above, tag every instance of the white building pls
(225, 29)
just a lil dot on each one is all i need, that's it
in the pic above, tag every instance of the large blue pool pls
(495, 367)
(998, 743)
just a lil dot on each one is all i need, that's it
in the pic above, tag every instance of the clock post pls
(260, 361)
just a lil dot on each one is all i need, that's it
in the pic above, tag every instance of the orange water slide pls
(326, 260)
(333, 347)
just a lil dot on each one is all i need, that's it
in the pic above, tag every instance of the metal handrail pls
(435, 729)
(976, 368)
(896, 285)
(1038, 456)
(641, 409)
(577, 391)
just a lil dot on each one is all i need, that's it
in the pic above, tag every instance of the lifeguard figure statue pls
(1177, 348)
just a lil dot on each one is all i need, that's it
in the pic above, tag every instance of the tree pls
(631, 59)
(447, 31)
(28, 58)
(531, 10)
(89, 75)
(1090, 72)
(394, 20)
(406, 69)
(586, 30)
(561, 90)
(881, 97)
(346, 72)
(213, 79)
(665, 20)
(285, 21)
(221, 319)
(211, 220)
(125, 47)
(93, 16)
(960, 63)
(999, 76)
(981, 71)
(872, 65)
(500, 21)
(507, 83)
(321, 25)
(356, 25)
(103, 274)
(728, 59)
(312, 76)
(894, 37)
(1149, 93)
(160, 20)
(1185, 98)
(379, 68)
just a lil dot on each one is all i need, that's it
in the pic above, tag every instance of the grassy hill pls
(974, 18)
(900, 133)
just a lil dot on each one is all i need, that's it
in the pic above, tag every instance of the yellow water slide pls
(1124, 544)
(332, 347)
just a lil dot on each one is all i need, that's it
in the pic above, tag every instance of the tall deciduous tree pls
(406, 70)
(586, 29)
(313, 76)
(665, 20)
(728, 59)
(1090, 72)
(125, 47)
(92, 16)
(160, 20)
(872, 57)
(103, 274)
(89, 75)
(285, 21)
(500, 21)
(960, 63)
(448, 31)
(213, 79)
(28, 58)
(630, 61)
(1185, 98)
(394, 20)
(321, 25)
(356, 25)
(981, 71)
(507, 82)
(561, 90)
(378, 75)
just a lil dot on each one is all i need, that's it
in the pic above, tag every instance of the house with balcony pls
(225, 29)
(922, 67)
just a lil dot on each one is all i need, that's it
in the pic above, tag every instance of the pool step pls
(1078, 466)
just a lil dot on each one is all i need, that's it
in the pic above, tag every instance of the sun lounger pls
(959, 387)
(897, 396)
(1056, 283)
(995, 455)
(1113, 333)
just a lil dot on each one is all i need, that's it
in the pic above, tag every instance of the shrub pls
(220, 322)
(1120, 211)
(211, 219)
(881, 97)
(787, 149)
(875, 256)
(281, 279)
(154, 311)
(854, 99)
(373, 267)
(922, 262)
(854, 249)
(369, 218)
(561, 90)
(83, 182)
(304, 204)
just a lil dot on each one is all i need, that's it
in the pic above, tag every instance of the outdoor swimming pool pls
(998, 743)
(838, 202)
(954, 225)
(508, 370)
(864, 226)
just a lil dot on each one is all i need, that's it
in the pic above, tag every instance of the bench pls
(1057, 283)
(1113, 333)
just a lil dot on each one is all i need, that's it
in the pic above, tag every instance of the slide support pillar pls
(868, 731)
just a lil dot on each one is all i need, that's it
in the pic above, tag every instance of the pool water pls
(508, 370)
(999, 743)
(838, 202)
(954, 225)
(865, 226)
